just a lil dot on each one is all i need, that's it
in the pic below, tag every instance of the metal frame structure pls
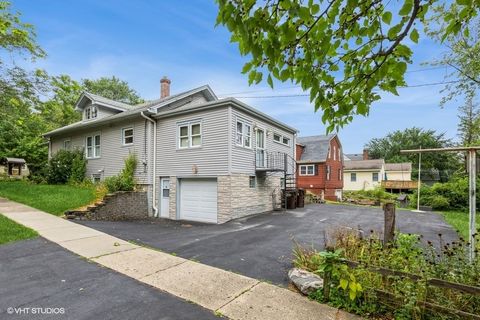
(472, 172)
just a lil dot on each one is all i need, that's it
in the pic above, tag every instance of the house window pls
(244, 134)
(339, 174)
(252, 182)
(67, 145)
(329, 155)
(93, 147)
(190, 134)
(353, 177)
(328, 172)
(96, 177)
(127, 136)
(281, 139)
(374, 176)
(307, 170)
(91, 112)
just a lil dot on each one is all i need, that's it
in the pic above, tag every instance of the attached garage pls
(198, 200)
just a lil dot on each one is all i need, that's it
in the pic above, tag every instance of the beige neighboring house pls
(398, 171)
(363, 174)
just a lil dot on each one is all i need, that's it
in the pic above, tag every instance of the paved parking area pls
(260, 247)
(40, 274)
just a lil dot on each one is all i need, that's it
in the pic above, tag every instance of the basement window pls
(252, 182)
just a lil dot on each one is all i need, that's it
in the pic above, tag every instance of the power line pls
(307, 94)
(297, 86)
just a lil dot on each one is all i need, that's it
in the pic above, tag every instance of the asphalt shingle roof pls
(405, 166)
(315, 147)
(363, 164)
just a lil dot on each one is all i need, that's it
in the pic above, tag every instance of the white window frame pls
(306, 167)
(91, 112)
(190, 135)
(378, 176)
(129, 136)
(353, 174)
(329, 173)
(245, 135)
(252, 182)
(93, 147)
(281, 139)
(65, 146)
(334, 153)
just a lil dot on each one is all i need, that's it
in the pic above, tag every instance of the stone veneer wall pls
(236, 199)
(173, 198)
(123, 205)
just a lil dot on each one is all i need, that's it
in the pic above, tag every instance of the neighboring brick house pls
(320, 165)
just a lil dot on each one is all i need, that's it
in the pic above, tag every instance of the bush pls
(378, 195)
(440, 203)
(125, 180)
(66, 166)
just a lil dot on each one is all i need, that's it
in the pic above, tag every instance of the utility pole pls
(419, 181)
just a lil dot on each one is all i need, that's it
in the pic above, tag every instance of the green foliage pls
(452, 195)
(343, 52)
(377, 195)
(55, 199)
(11, 231)
(112, 88)
(125, 180)
(389, 147)
(407, 253)
(66, 166)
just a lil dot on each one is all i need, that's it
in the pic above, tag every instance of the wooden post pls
(389, 229)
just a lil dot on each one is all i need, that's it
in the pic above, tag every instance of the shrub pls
(440, 203)
(66, 166)
(125, 180)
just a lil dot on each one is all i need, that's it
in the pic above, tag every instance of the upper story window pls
(67, 145)
(92, 149)
(90, 112)
(281, 139)
(334, 153)
(127, 136)
(328, 172)
(307, 170)
(190, 134)
(339, 174)
(353, 177)
(374, 176)
(244, 134)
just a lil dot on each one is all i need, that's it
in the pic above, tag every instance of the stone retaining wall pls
(122, 205)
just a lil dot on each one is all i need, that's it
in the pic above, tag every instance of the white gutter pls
(154, 183)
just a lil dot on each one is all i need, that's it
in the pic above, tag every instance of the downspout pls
(154, 182)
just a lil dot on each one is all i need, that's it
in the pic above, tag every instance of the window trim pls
(328, 172)
(65, 141)
(123, 136)
(282, 136)
(93, 146)
(352, 174)
(89, 110)
(189, 124)
(244, 134)
(378, 176)
(250, 184)
(306, 170)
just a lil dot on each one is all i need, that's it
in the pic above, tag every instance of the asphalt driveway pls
(41, 280)
(260, 247)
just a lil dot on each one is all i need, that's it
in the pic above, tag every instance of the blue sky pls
(141, 41)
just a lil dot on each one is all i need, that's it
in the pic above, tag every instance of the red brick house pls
(320, 165)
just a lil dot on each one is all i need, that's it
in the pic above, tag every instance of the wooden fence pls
(439, 283)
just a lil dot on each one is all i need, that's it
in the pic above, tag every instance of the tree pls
(461, 54)
(112, 88)
(469, 123)
(389, 147)
(343, 52)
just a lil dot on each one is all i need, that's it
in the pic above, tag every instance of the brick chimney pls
(164, 87)
(365, 154)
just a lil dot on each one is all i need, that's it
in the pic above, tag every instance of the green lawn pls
(55, 199)
(12, 231)
(459, 221)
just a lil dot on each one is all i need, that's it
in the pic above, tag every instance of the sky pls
(141, 41)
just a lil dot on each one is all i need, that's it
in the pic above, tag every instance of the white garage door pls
(198, 200)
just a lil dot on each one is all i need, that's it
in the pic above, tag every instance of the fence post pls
(389, 228)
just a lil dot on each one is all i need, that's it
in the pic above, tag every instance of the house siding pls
(113, 152)
(243, 159)
(364, 179)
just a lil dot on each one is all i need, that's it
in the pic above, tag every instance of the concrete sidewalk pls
(226, 293)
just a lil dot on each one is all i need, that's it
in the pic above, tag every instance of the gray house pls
(200, 158)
